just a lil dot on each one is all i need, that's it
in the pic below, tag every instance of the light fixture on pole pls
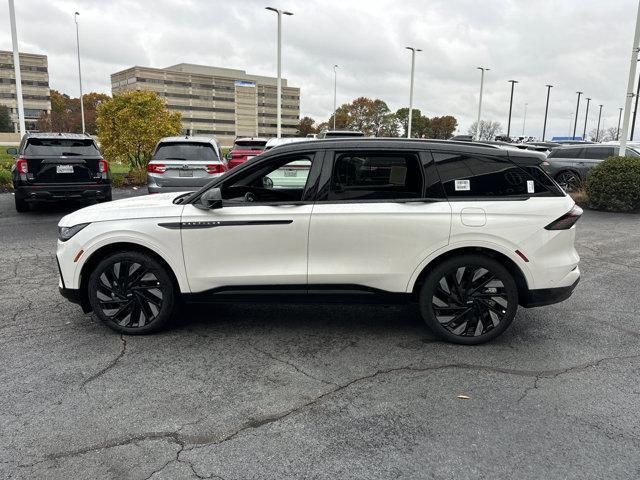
(512, 82)
(546, 111)
(598, 127)
(618, 129)
(335, 90)
(79, 71)
(16, 68)
(279, 81)
(575, 124)
(586, 116)
(413, 66)
(482, 70)
(632, 77)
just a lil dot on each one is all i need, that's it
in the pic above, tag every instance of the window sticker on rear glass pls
(463, 185)
(530, 186)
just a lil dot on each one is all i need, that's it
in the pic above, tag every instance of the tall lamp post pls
(586, 115)
(79, 71)
(413, 66)
(619, 118)
(335, 91)
(546, 111)
(632, 76)
(575, 124)
(279, 83)
(513, 82)
(482, 70)
(635, 110)
(16, 68)
(598, 127)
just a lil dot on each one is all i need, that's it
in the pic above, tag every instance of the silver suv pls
(184, 163)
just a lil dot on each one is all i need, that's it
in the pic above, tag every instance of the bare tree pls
(488, 129)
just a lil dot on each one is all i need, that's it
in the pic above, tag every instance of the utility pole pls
(335, 90)
(619, 118)
(632, 77)
(575, 125)
(546, 111)
(513, 82)
(413, 66)
(16, 68)
(482, 70)
(79, 72)
(635, 110)
(586, 115)
(598, 128)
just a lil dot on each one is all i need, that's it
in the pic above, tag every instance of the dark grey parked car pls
(569, 165)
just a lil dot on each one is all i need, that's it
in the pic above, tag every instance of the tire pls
(136, 302)
(569, 181)
(21, 204)
(457, 304)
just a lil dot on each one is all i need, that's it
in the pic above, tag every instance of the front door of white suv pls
(381, 213)
(260, 235)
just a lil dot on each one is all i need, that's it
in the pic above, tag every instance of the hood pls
(146, 206)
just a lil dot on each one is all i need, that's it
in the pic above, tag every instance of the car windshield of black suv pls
(60, 147)
(185, 151)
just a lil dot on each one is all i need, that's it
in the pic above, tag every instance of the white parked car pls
(469, 232)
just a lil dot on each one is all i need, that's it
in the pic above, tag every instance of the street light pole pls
(413, 66)
(79, 72)
(586, 115)
(524, 120)
(279, 82)
(335, 90)
(598, 128)
(632, 76)
(482, 70)
(546, 111)
(513, 82)
(635, 110)
(16, 68)
(618, 130)
(575, 124)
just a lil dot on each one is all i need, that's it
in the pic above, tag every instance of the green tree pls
(420, 125)
(307, 126)
(65, 113)
(443, 127)
(5, 119)
(130, 125)
(342, 118)
(91, 102)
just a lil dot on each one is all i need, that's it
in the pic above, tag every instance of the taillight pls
(216, 168)
(566, 221)
(156, 168)
(102, 166)
(22, 166)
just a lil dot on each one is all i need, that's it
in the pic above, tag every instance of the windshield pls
(60, 147)
(185, 151)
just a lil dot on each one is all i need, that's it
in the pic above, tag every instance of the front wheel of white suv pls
(469, 299)
(132, 293)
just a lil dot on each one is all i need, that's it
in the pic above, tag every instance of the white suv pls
(469, 232)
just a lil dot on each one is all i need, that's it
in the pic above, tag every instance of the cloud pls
(573, 44)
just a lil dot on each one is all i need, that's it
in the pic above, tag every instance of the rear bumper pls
(547, 296)
(52, 193)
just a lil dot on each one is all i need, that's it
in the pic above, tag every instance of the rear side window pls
(60, 147)
(376, 176)
(185, 151)
(598, 153)
(470, 175)
(567, 153)
(249, 145)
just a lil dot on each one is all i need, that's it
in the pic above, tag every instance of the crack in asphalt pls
(294, 366)
(109, 366)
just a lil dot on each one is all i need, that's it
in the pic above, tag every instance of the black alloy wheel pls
(131, 293)
(569, 181)
(469, 300)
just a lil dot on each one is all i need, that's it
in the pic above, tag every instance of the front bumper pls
(53, 193)
(547, 296)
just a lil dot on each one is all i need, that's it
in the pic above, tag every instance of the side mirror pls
(12, 151)
(211, 199)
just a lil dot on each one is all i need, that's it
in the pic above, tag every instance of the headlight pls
(65, 233)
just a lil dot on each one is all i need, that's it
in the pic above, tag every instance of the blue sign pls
(244, 83)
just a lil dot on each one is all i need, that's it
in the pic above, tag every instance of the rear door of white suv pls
(380, 212)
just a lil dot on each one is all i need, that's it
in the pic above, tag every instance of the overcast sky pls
(573, 44)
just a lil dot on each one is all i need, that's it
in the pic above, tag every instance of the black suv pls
(59, 166)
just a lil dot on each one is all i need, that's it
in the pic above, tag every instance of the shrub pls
(118, 180)
(5, 178)
(137, 176)
(614, 185)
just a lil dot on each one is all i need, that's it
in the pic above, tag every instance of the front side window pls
(185, 151)
(280, 180)
(376, 176)
(471, 175)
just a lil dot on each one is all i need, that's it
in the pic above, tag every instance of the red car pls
(245, 149)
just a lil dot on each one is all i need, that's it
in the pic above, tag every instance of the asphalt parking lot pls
(262, 392)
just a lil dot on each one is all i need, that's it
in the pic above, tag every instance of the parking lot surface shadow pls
(318, 391)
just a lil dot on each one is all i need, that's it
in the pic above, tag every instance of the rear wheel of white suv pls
(469, 299)
(132, 293)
